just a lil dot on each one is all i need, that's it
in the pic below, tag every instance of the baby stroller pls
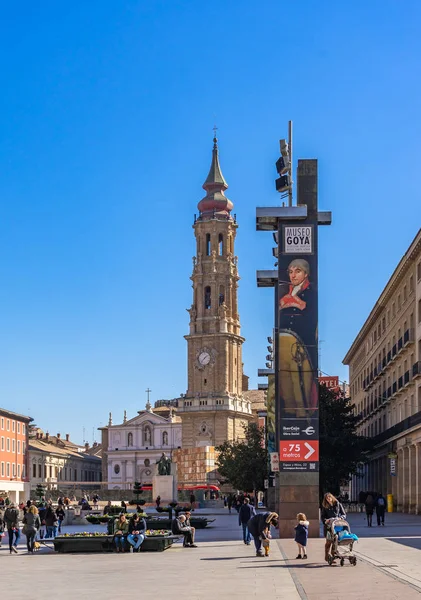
(339, 532)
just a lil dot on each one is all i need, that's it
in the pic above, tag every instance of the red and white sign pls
(306, 450)
(332, 383)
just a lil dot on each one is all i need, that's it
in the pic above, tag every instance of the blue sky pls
(106, 117)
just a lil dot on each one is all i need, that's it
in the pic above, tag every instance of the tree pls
(244, 463)
(137, 490)
(40, 491)
(342, 450)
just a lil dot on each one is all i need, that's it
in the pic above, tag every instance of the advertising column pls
(297, 360)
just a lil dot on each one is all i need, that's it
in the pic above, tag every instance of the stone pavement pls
(223, 567)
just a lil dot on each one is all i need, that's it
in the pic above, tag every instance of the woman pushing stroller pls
(331, 509)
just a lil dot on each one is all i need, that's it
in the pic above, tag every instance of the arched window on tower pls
(130, 439)
(220, 244)
(208, 244)
(221, 298)
(165, 438)
(208, 302)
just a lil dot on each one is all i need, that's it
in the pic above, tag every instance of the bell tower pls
(213, 409)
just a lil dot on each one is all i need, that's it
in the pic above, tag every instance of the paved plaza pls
(223, 567)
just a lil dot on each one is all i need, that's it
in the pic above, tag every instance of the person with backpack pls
(11, 519)
(380, 509)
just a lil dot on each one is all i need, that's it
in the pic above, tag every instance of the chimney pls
(67, 437)
(58, 435)
(87, 446)
(95, 444)
(41, 435)
(47, 436)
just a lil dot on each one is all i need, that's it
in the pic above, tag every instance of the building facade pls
(214, 408)
(13, 455)
(132, 448)
(59, 464)
(385, 382)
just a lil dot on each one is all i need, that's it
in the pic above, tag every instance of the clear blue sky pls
(106, 116)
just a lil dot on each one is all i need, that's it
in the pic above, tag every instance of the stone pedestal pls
(298, 492)
(164, 486)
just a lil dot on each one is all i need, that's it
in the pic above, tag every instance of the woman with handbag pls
(31, 524)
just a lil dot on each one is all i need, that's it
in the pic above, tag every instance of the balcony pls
(407, 380)
(416, 370)
(408, 337)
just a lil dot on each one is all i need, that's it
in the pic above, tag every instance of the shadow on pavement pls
(411, 542)
(309, 566)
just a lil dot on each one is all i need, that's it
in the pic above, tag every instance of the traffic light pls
(283, 167)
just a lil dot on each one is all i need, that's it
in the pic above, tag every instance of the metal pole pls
(291, 159)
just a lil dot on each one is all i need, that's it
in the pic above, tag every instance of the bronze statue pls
(164, 465)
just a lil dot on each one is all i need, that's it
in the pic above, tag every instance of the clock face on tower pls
(204, 358)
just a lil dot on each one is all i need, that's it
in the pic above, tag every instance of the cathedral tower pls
(213, 409)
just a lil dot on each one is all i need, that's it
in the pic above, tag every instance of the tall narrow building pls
(214, 409)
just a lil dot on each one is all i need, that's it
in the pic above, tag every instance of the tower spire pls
(215, 204)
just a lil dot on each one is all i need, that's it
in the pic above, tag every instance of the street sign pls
(299, 466)
(299, 429)
(274, 462)
(298, 451)
(393, 466)
(266, 483)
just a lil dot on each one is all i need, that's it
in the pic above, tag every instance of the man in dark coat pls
(179, 527)
(258, 527)
(246, 512)
(11, 520)
(380, 509)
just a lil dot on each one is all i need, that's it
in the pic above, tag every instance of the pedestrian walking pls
(301, 535)
(60, 517)
(258, 527)
(51, 522)
(2, 526)
(331, 509)
(31, 526)
(192, 500)
(11, 519)
(369, 510)
(229, 503)
(246, 512)
(158, 501)
(380, 509)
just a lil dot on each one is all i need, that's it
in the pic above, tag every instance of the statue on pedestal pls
(164, 465)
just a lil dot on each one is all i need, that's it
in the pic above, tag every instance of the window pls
(51, 471)
(18, 427)
(34, 470)
(7, 444)
(19, 471)
(208, 244)
(130, 439)
(418, 271)
(65, 473)
(8, 425)
(411, 283)
(23, 472)
(399, 302)
(165, 438)
(2, 469)
(45, 471)
(13, 446)
(2, 443)
(116, 469)
(7, 469)
(208, 302)
(23, 428)
(220, 244)
(13, 426)
(419, 311)
(23, 447)
(393, 310)
(13, 470)
(405, 293)
(75, 474)
(2, 423)
(39, 471)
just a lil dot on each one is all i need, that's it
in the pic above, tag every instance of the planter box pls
(100, 543)
(104, 543)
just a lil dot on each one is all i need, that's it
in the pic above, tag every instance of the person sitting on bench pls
(137, 529)
(179, 527)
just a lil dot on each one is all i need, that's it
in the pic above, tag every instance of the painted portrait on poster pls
(297, 323)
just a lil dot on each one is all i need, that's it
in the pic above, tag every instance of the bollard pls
(389, 503)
